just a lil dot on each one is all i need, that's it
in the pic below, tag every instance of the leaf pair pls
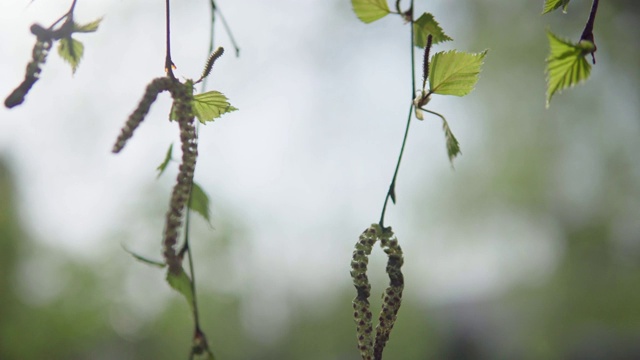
(452, 72)
(449, 73)
(369, 11)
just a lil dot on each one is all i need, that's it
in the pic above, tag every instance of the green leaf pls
(550, 5)
(211, 105)
(181, 283)
(208, 106)
(426, 25)
(200, 202)
(144, 259)
(87, 28)
(453, 147)
(454, 73)
(166, 161)
(71, 51)
(566, 65)
(370, 10)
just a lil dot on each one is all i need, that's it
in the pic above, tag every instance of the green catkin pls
(210, 61)
(182, 95)
(425, 61)
(182, 98)
(361, 312)
(154, 88)
(392, 297)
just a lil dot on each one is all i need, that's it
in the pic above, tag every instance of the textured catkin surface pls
(392, 297)
(32, 73)
(182, 95)
(154, 88)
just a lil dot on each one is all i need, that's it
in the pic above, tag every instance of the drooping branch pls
(44, 40)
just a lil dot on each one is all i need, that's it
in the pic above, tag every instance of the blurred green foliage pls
(55, 306)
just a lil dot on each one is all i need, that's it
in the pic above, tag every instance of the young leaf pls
(71, 52)
(208, 106)
(87, 28)
(370, 10)
(144, 259)
(200, 202)
(454, 73)
(567, 65)
(453, 147)
(426, 25)
(182, 284)
(166, 161)
(550, 5)
(211, 105)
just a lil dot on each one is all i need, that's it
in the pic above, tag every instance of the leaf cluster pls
(567, 65)
(69, 49)
(447, 72)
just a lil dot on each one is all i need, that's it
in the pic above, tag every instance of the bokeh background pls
(528, 249)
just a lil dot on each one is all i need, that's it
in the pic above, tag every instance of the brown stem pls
(168, 64)
(587, 33)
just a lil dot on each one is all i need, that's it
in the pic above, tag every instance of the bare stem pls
(66, 15)
(226, 28)
(391, 193)
(168, 64)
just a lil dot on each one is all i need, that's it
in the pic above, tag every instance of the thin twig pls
(66, 15)
(227, 29)
(168, 64)
(211, 37)
(192, 272)
(434, 113)
(391, 193)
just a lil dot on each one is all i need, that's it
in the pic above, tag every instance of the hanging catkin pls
(392, 297)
